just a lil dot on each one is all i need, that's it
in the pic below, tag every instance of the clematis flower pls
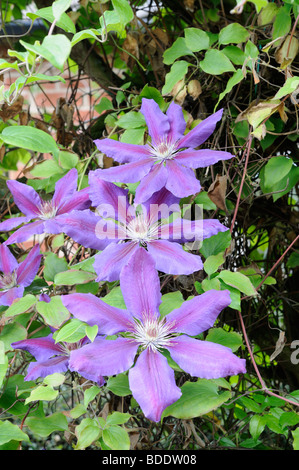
(51, 357)
(65, 199)
(169, 159)
(142, 330)
(126, 227)
(16, 276)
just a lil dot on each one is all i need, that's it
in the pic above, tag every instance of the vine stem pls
(247, 150)
(264, 386)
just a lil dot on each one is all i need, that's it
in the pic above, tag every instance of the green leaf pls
(59, 7)
(55, 380)
(178, 49)
(54, 313)
(87, 432)
(115, 298)
(116, 438)
(152, 93)
(216, 63)
(90, 394)
(10, 333)
(55, 49)
(73, 276)
(295, 435)
(9, 432)
(208, 284)
(124, 11)
(3, 364)
(293, 260)
(282, 23)
(276, 169)
(119, 385)
(71, 332)
(68, 160)
(86, 34)
(53, 266)
(213, 262)
(203, 199)
(133, 136)
(177, 72)
(236, 78)
(215, 244)
(170, 301)
(64, 22)
(233, 33)
(20, 306)
(196, 39)
(104, 105)
(42, 392)
(131, 120)
(44, 426)
(289, 418)
(231, 339)
(291, 84)
(238, 281)
(46, 169)
(117, 418)
(29, 138)
(198, 398)
(91, 332)
(235, 54)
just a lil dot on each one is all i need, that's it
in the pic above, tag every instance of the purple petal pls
(156, 121)
(152, 383)
(200, 313)
(205, 359)
(94, 311)
(181, 181)
(128, 173)
(8, 297)
(161, 205)
(8, 262)
(12, 223)
(152, 182)
(110, 231)
(104, 357)
(201, 158)
(65, 187)
(81, 226)
(140, 285)
(27, 231)
(177, 122)
(25, 197)
(122, 152)
(110, 262)
(27, 270)
(172, 259)
(201, 132)
(184, 230)
(107, 197)
(54, 365)
(41, 348)
(79, 201)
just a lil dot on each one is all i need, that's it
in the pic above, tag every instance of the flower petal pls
(156, 121)
(58, 364)
(140, 285)
(109, 263)
(161, 205)
(201, 132)
(205, 359)
(127, 173)
(12, 223)
(181, 181)
(25, 197)
(152, 383)
(201, 158)
(104, 357)
(108, 198)
(41, 348)
(8, 262)
(185, 230)
(177, 122)
(65, 187)
(27, 231)
(200, 313)
(122, 152)
(172, 259)
(27, 270)
(94, 311)
(81, 227)
(152, 182)
(78, 201)
(9, 296)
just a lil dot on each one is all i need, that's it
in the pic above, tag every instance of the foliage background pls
(205, 55)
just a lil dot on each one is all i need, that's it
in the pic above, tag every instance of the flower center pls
(163, 150)
(140, 230)
(153, 333)
(7, 281)
(47, 210)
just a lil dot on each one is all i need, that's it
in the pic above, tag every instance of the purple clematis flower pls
(124, 229)
(52, 357)
(65, 199)
(140, 328)
(15, 277)
(169, 159)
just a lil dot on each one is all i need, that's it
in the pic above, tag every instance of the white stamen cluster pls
(163, 150)
(140, 230)
(153, 333)
(47, 210)
(7, 281)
